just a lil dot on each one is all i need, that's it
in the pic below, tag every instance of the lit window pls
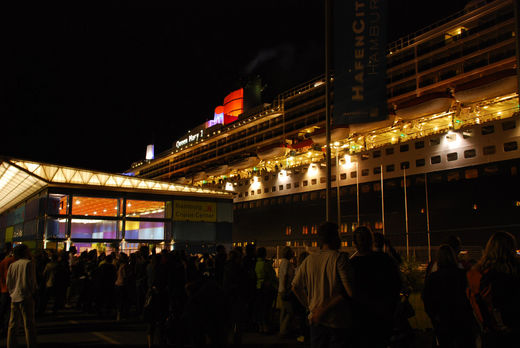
(103, 206)
(305, 230)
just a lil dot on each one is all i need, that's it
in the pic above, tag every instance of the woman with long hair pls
(494, 291)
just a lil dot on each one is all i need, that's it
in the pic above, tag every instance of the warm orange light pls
(219, 110)
(233, 105)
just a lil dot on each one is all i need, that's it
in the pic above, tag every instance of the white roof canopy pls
(19, 179)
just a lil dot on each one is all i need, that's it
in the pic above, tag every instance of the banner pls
(194, 211)
(359, 61)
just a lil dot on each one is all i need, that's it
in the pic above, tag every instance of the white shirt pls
(21, 280)
(321, 276)
(286, 275)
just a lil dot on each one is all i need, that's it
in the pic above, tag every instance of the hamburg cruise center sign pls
(359, 61)
(194, 211)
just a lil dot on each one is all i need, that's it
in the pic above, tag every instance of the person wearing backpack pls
(494, 291)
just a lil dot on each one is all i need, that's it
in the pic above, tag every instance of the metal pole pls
(357, 191)
(427, 218)
(406, 216)
(327, 105)
(382, 202)
(337, 189)
(516, 5)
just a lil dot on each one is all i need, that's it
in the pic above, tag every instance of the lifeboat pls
(244, 163)
(218, 170)
(198, 176)
(182, 180)
(336, 133)
(302, 144)
(427, 104)
(272, 151)
(358, 128)
(487, 87)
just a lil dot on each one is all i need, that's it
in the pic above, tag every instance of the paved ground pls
(75, 329)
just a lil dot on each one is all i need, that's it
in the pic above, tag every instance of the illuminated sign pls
(194, 211)
(190, 138)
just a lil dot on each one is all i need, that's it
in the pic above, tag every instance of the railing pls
(410, 38)
(304, 87)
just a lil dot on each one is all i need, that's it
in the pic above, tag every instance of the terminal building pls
(52, 206)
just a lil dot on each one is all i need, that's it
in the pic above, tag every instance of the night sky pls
(91, 86)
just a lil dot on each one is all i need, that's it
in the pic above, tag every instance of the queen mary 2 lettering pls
(360, 39)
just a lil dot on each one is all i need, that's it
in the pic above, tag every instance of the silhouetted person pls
(21, 283)
(122, 286)
(234, 285)
(220, 261)
(446, 303)
(493, 290)
(266, 286)
(248, 265)
(104, 278)
(376, 286)
(286, 275)
(5, 299)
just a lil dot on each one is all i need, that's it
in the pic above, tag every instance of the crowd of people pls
(326, 298)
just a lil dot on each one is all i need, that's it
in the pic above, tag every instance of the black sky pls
(92, 86)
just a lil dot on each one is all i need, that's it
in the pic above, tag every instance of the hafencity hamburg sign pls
(359, 61)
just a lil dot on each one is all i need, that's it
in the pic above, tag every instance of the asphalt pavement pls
(71, 328)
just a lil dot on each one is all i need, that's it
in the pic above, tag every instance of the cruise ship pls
(444, 162)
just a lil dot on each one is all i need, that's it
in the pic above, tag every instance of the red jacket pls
(4, 267)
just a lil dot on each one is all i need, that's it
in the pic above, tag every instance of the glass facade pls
(90, 221)
(94, 229)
